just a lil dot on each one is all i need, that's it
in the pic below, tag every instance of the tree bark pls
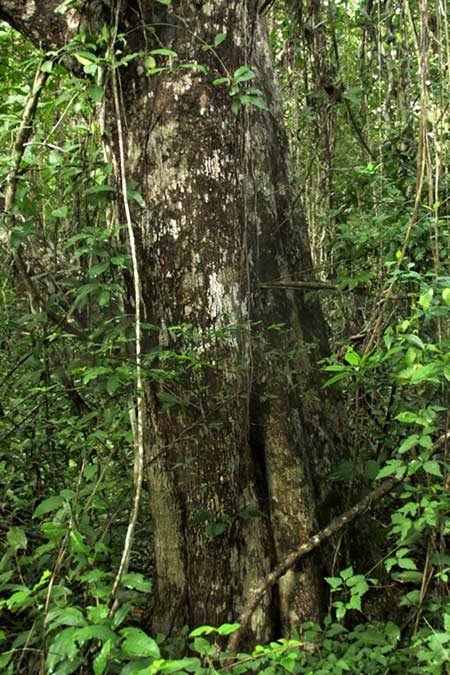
(252, 429)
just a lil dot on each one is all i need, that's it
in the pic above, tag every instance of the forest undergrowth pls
(366, 97)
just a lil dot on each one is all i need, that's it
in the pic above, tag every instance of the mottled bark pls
(47, 28)
(254, 428)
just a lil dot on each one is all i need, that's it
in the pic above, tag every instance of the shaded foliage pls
(365, 98)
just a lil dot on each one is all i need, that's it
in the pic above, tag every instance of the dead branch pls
(300, 285)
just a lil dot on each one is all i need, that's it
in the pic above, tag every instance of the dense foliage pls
(366, 97)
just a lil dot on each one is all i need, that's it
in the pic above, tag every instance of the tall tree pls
(218, 225)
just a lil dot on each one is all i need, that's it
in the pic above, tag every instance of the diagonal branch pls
(300, 285)
(313, 542)
(22, 137)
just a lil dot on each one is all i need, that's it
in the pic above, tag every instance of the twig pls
(313, 542)
(138, 427)
(23, 134)
(20, 143)
(420, 176)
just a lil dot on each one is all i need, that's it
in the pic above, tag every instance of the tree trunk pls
(241, 423)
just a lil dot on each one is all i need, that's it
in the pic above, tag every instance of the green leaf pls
(220, 37)
(425, 299)
(121, 614)
(61, 648)
(93, 373)
(354, 603)
(61, 212)
(98, 632)
(112, 384)
(392, 466)
(415, 340)
(96, 92)
(168, 399)
(214, 530)
(202, 646)
(336, 378)
(136, 197)
(190, 665)
(289, 663)
(358, 584)
(258, 102)
(227, 628)
(392, 631)
(101, 660)
(352, 357)
(48, 505)
(137, 581)
(140, 666)
(17, 599)
(97, 613)
(203, 516)
(221, 80)
(406, 563)
(150, 63)
(340, 610)
(78, 545)
(408, 577)
(99, 190)
(334, 582)
(424, 373)
(195, 66)
(137, 643)
(235, 106)
(202, 630)
(55, 158)
(17, 538)
(164, 52)
(54, 530)
(5, 658)
(46, 574)
(408, 443)
(426, 442)
(410, 418)
(85, 58)
(361, 587)
(347, 573)
(98, 269)
(371, 469)
(66, 616)
(243, 74)
(47, 67)
(432, 467)
(446, 296)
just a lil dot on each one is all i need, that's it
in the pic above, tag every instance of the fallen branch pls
(313, 542)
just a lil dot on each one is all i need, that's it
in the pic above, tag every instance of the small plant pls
(351, 587)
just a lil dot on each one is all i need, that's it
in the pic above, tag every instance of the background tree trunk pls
(252, 429)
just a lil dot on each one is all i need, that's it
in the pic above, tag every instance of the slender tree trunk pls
(248, 427)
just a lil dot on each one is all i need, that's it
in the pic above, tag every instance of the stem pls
(138, 428)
